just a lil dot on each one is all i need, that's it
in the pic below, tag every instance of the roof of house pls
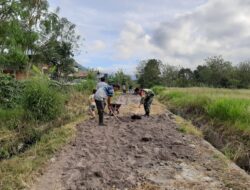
(80, 74)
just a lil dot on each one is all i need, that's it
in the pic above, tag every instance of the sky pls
(118, 34)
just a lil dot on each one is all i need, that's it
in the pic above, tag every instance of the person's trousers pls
(147, 104)
(100, 105)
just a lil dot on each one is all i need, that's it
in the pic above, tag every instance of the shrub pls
(86, 86)
(10, 91)
(42, 102)
(10, 118)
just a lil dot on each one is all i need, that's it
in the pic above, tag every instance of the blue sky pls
(120, 33)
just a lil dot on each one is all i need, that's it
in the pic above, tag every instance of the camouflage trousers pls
(147, 104)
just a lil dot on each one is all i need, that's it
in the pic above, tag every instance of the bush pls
(10, 91)
(42, 102)
(10, 118)
(86, 86)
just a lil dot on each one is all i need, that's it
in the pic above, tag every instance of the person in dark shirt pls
(147, 96)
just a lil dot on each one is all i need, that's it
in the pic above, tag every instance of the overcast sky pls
(120, 33)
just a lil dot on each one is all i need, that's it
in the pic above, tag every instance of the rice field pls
(224, 105)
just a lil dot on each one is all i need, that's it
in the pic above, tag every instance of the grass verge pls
(187, 127)
(19, 171)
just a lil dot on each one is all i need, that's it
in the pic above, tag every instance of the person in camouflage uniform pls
(147, 96)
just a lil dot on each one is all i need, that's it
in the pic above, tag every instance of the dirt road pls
(144, 154)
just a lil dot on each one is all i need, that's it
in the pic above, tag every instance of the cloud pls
(178, 32)
(97, 46)
(217, 27)
(134, 42)
(126, 68)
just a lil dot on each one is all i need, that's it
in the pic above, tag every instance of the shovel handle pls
(114, 115)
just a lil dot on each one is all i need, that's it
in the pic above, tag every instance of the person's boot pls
(102, 125)
(101, 120)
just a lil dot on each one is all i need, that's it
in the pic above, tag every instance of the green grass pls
(187, 127)
(17, 172)
(8, 117)
(224, 112)
(229, 106)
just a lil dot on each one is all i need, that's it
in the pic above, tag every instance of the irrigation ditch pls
(226, 139)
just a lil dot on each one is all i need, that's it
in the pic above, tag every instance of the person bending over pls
(147, 96)
(102, 94)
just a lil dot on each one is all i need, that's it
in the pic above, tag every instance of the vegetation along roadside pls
(32, 124)
(222, 114)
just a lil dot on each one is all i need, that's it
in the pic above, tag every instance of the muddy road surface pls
(149, 153)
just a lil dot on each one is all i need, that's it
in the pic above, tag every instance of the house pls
(17, 73)
(80, 72)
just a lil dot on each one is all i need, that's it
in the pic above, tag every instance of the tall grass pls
(42, 102)
(42, 108)
(233, 110)
(30, 128)
(10, 91)
(19, 170)
(231, 106)
(223, 114)
(6, 115)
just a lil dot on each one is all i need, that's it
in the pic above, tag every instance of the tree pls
(149, 73)
(169, 75)
(59, 40)
(185, 77)
(18, 34)
(216, 72)
(243, 74)
(120, 78)
(31, 34)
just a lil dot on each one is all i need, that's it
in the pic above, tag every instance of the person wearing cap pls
(147, 96)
